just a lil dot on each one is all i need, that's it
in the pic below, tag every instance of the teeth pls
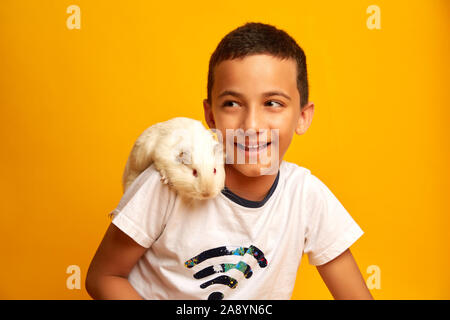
(252, 147)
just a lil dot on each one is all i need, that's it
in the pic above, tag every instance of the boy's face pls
(250, 78)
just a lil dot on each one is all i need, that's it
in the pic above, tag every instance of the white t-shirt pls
(229, 247)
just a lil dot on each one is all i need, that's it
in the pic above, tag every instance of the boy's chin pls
(254, 170)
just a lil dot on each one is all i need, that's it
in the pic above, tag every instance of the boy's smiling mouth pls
(260, 153)
(257, 149)
(253, 148)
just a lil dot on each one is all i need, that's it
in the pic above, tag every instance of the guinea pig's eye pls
(214, 170)
(194, 172)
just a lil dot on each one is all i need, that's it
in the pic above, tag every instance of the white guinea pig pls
(186, 154)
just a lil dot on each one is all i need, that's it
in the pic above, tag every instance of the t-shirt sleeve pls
(330, 229)
(142, 210)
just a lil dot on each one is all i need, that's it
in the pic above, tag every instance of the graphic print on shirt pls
(224, 267)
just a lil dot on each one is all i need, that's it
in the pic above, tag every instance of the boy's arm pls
(343, 278)
(107, 277)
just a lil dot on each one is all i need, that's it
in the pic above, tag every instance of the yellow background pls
(74, 101)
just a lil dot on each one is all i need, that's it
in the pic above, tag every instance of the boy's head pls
(250, 62)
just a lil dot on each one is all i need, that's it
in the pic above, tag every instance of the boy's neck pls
(250, 188)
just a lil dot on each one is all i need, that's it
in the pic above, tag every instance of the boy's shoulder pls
(300, 179)
(293, 171)
(293, 167)
(146, 184)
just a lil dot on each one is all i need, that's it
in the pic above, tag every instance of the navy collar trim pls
(249, 203)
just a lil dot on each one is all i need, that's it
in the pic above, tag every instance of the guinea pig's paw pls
(164, 178)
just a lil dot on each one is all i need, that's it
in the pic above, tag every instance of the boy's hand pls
(343, 278)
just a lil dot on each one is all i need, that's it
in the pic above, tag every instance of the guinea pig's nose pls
(205, 194)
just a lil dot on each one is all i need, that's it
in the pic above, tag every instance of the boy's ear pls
(209, 117)
(305, 119)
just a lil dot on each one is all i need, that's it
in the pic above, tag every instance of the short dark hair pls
(260, 38)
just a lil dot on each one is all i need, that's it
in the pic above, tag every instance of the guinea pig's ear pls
(184, 156)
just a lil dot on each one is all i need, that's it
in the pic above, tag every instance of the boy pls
(246, 243)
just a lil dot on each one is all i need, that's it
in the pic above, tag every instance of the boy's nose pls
(251, 120)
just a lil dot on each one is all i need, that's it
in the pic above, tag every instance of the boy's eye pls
(227, 102)
(275, 102)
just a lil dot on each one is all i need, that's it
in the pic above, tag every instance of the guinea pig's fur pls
(186, 154)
